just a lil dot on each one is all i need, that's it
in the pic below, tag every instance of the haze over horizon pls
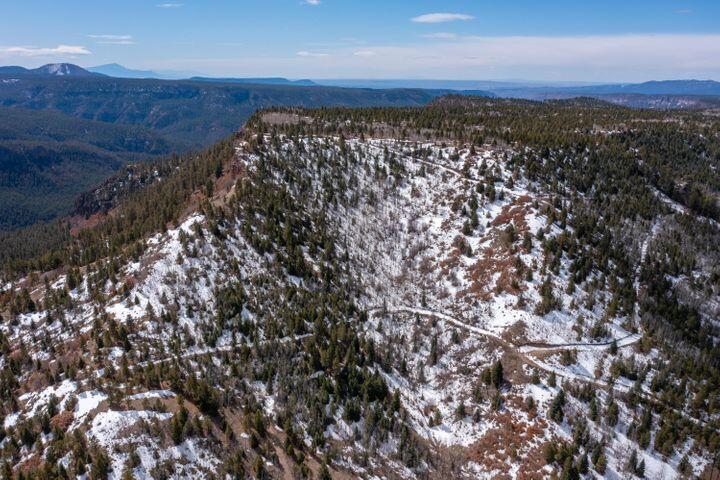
(334, 39)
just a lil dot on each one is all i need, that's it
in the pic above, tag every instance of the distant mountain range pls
(108, 70)
(50, 70)
(516, 89)
(119, 71)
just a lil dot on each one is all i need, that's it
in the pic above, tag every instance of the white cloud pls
(169, 5)
(441, 35)
(605, 58)
(602, 57)
(30, 51)
(312, 2)
(441, 17)
(364, 53)
(113, 39)
(305, 53)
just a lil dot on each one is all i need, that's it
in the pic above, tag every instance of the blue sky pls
(609, 40)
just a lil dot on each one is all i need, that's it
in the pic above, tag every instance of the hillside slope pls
(47, 159)
(475, 289)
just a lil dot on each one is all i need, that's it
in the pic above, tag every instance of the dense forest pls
(47, 159)
(189, 113)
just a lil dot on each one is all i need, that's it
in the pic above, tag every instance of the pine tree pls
(556, 408)
(100, 465)
(497, 402)
(612, 414)
(684, 465)
(631, 465)
(460, 411)
(324, 473)
(569, 472)
(640, 469)
(601, 464)
(549, 452)
(583, 464)
(433, 350)
(593, 410)
(552, 380)
(496, 376)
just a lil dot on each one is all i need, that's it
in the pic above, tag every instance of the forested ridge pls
(63, 135)
(329, 291)
(189, 113)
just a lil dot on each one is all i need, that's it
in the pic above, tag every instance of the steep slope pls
(47, 159)
(476, 289)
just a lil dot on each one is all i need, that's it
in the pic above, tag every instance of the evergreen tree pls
(556, 407)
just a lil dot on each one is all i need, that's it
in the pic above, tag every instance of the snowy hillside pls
(365, 302)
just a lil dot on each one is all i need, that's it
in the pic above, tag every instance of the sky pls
(545, 40)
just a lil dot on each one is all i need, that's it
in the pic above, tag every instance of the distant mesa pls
(259, 80)
(119, 71)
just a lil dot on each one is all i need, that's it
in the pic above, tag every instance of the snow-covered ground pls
(436, 262)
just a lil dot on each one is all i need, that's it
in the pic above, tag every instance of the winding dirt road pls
(525, 353)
